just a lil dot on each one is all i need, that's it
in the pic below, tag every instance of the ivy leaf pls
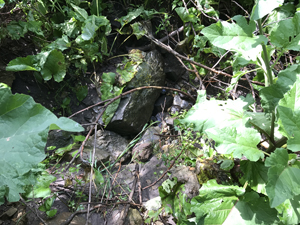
(264, 7)
(255, 173)
(236, 37)
(237, 141)
(287, 33)
(271, 95)
(283, 177)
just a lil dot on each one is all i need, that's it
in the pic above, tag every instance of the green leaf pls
(99, 180)
(264, 7)
(108, 78)
(214, 203)
(238, 142)
(81, 92)
(54, 66)
(255, 173)
(215, 113)
(224, 204)
(23, 64)
(130, 16)
(289, 211)
(23, 136)
(137, 30)
(80, 13)
(271, 95)
(174, 201)
(185, 16)
(236, 37)
(60, 44)
(2, 3)
(252, 209)
(287, 33)
(41, 189)
(289, 116)
(283, 178)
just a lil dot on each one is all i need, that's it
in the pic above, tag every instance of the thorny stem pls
(269, 78)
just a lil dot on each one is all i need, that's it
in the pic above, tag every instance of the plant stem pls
(269, 80)
(269, 77)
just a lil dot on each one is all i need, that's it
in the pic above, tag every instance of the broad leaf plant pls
(269, 188)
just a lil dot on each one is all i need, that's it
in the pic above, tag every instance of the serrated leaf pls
(236, 37)
(283, 179)
(23, 136)
(271, 95)
(238, 142)
(54, 66)
(255, 173)
(264, 7)
(287, 33)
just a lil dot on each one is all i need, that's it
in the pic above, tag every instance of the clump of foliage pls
(68, 33)
(268, 190)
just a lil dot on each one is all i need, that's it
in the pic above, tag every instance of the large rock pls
(136, 108)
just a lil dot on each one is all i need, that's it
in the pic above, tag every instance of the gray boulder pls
(135, 109)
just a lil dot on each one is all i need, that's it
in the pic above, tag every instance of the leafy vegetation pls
(265, 189)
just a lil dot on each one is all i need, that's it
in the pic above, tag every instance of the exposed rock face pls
(136, 108)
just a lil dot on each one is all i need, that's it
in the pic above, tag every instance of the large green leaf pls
(23, 135)
(271, 95)
(23, 63)
(224, 204)
(283, 177)
(287, 33)
(237, 141)
(264, 7)
(255, 173)
(206, 114)
(236, 37)
(289, 116)
(252, 209)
